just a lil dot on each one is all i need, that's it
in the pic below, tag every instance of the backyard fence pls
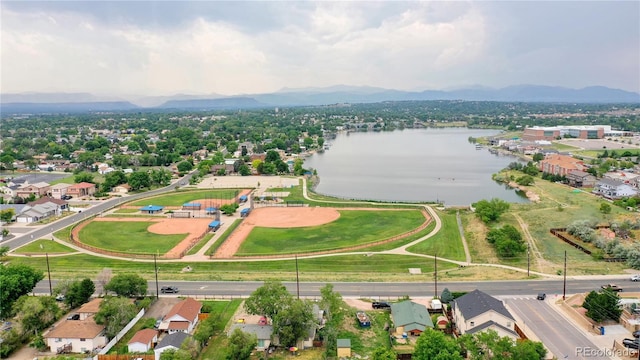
(559, 233)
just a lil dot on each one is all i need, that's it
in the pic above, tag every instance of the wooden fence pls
(559, 233)
(125, 357)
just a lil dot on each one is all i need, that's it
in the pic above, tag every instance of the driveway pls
(161, 307)
(561, 337)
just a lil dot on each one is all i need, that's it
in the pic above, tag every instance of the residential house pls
(561, 164)
(262, 333)
(122, 188)
(38, 189)
(59, 190)
(81, 189)
(613, 189)
(183, 317)
(60, 205)
(477, 311)
(410, 318)
(170, 341)
(577, 178)
(38, 212)
(103, 168)
(143, 341)
(622, 176)
(89, 309)
(76, 336)
(17, 209)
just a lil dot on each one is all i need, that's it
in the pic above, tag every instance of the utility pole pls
(435, 275)
(49, 274)
(297, 278)
(155, 264)
(528, 259)
(564, 286)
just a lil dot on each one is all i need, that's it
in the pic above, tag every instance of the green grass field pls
(200, 244)
(44, 246)
(130, 237)
(223, 310)
(354, 227)
(126, 211)
(182, 197)
(333, 268)
(447, 243)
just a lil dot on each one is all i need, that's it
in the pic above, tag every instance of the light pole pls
(49, 274)
(297, 278)
(155, 264)
(435, 274)
(528, 259)
(564, 285)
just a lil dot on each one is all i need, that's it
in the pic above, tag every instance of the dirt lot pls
(161, 307)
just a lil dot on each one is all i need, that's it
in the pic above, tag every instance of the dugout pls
(151, 209)
(214, 225)
(191, 206)
(211, 210)
(242, 198)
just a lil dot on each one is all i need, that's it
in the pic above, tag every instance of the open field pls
(182, 197)
(44, 246)
(333, 268)
(447, 243)
(128, 236)
(353, 227)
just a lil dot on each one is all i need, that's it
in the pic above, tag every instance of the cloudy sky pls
(245, 47)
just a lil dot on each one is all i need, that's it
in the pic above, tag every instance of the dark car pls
(169, 290)
(631, 343)
(541, 296)
(66, 197)
(380, 305)
(73, 317)
(636, 334)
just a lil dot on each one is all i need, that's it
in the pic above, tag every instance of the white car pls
(635, 277)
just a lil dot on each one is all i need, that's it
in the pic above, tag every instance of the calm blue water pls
(412, 165)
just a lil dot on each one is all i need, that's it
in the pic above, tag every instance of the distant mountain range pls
(84, 102)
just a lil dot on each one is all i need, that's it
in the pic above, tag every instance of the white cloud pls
(389, 44)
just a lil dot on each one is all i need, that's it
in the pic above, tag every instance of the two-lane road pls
(563, 339)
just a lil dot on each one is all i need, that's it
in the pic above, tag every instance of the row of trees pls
(585, 231)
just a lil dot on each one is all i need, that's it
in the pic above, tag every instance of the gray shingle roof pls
(175, 340)
(477, 302)
(262, 332)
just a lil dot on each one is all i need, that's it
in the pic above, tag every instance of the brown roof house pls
(59, 190)
(76, 336)
(38, 189)
(90, 308)
(81, 189)
(561, 164)
(143, 341)
(183, 317)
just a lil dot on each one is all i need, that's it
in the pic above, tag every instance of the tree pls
(526, 180)
(292, 322)
(272, 156)
(7, 215)
(127, 285)
(79, 292)
(229, 209)
(268, 300)
(481, 344)
(538, 156)
(331, 301)
(244, 170)
(83, 177)
(435, 345)
(35, 313)
(4, 249)
(602, 305)
(382, 353)
(15, 281)
(185, 166)
(103, 278)
(605, 208)
(489, 211)
(241, 345)
(138, 180)
(115, 313)
(446, 296)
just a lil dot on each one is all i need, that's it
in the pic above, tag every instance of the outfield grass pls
(403, 241)
(179, 198)
(44, 246)
(354, 227)
(333, 268)
(447, 243)
(130, 237)
(223, 237)
(125, 211)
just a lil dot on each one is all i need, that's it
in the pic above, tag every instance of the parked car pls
(636, 334)
(66, 197)
(60, 297)
(169, 289)
(612, 287)
(631, 343)
(541, 296)
(380, 305)
(635, 277)
(73, 317)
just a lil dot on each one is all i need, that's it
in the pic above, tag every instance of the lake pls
(435, 164)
